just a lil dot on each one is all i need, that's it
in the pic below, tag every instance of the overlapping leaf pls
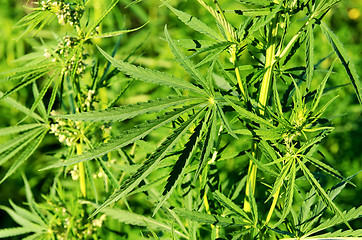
(126, 138)
(178, 169)
(195, 23)
(151, 76)
(320, 191)
(139, 220)
(147, 167)
(216, 220)
(186, 63)
(129, 111)
(345, 60)
(26, 153)
(350, 215)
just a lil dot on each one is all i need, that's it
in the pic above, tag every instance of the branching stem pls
(263, 97)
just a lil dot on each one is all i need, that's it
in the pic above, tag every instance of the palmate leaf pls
(18, 129)
(128, 111)
(224, 120)
(27, 152)
(245, 26)
(348, 215)
(27, 215)
(139, 220)
(116, 33)
(33, 19)
(324, 167)
(213, 51)
(23, 220)
(147, 167)
(28, 76)
(10, 232)
(230, 78)
(281, 177)
(270, 134)
(322, 109)
(215, 46)
(178, 169)
(22, 108)
(216, 220)
(289, 194)
(32, 204)
(280, 160)
(225, 201)
(324, 6)
(30, 69)
(186, 63)
(207, 144)
(30, 222)
(10, 148)
(150, 186)
(345, 60)
(38, 103)
(211, 56)
(126, 137)
(248, 115)
(36, 236)
(320, 191)
(262, 166)
(345, 235)
(317, 139)
(195, 23)
(305, 211)
(151, 76)
(210, 73)
(307, 218)
(320, 90)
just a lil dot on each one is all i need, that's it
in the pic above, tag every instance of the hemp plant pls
(241, 98)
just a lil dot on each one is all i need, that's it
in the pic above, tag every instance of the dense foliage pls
(180, 120)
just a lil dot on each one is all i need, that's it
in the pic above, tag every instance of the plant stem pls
(263, 97)
(272, 207)
(269, 62)
(82, 182)
(251, 180)
(292, 41)
(237, 73)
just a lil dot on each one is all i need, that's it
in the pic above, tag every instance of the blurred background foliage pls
(342, 149)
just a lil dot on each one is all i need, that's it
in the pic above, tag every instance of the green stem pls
(263, 97)
(272, 207)
(251, 180)
(82, 183)
(292, 41)
(237, 73)
(269, 62)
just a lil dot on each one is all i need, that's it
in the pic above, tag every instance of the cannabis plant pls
(230, 150)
